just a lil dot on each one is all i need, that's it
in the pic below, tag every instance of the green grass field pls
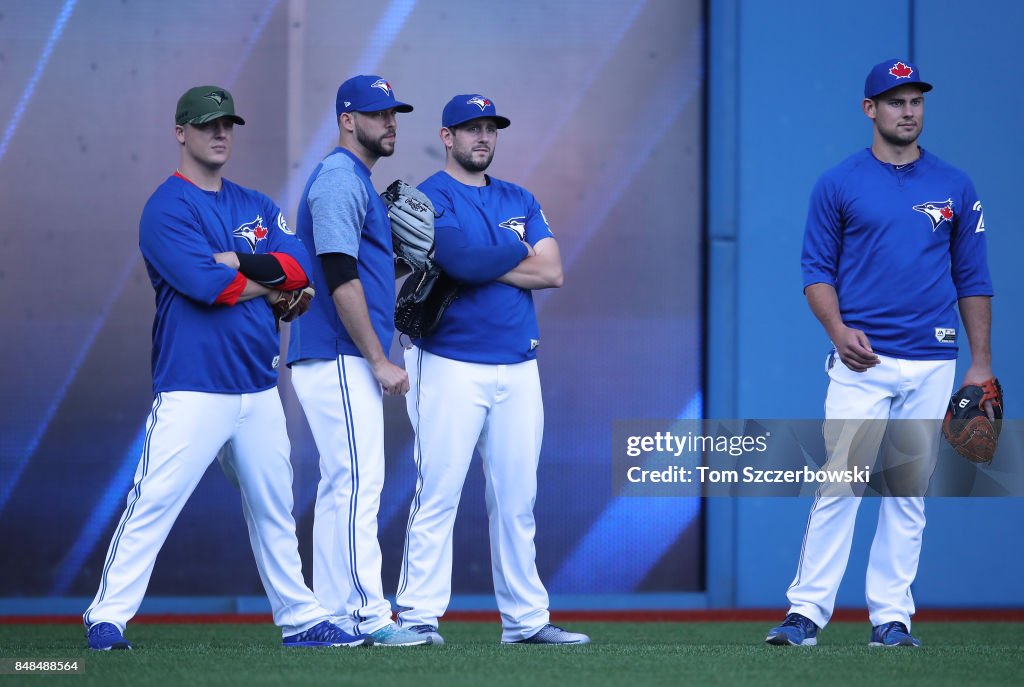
(631, 654)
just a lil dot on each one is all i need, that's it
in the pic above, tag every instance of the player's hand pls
(393, 379)
(229, 258)
(854, 350)
(976, 376)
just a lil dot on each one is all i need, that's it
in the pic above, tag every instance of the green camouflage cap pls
(204, 104)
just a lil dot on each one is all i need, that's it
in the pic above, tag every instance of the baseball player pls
(475, 383)
(895, 239)
(338, 356)
(214, 250)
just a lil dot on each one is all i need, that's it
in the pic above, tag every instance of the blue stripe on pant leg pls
(137, 493)
(418, 459)
(803, 544)
(346, 401)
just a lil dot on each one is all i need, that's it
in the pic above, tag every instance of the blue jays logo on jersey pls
(938, 211)
(253, 232)
(382, 85)
(480, 101)
(516, 224)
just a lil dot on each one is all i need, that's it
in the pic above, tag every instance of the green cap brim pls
(209, 117)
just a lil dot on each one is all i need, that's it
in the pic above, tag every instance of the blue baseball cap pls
(893, 73)
(367, 93)
(463, 108)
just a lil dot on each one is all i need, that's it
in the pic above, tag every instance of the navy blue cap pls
(463, 108)
(367, 93)
(893, 73)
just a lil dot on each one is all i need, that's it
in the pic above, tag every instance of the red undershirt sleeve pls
(231, 293)
(294, 276)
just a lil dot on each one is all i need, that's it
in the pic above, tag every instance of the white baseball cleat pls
(552, 634)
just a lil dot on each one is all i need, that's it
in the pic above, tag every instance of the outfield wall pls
(607, 99)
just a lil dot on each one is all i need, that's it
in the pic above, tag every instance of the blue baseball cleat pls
(107, 637)
(393, 635)
(552, 634)
(326, 634)
(892, 634)
(795, 630)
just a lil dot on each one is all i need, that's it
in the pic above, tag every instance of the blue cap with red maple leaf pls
(892, 73)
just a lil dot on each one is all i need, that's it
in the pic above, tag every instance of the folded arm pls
(540, 270)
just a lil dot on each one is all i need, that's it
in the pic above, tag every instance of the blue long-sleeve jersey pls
(477, 237)
(900, 244)
(198, 343)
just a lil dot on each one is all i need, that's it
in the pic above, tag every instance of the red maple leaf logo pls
(261, 232)
(901, 71)
(947, 213)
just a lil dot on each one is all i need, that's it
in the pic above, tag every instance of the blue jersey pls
(900, 244)
(199, 344)
(477, 239)
(340, 212)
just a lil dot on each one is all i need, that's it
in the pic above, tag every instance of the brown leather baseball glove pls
(288, 305)
(973, 420)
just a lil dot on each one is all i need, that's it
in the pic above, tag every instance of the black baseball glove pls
(973, 420)
(412, 225)
(422, 300)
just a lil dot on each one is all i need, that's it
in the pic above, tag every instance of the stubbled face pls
(208, 144)
(473, 143)
(376, 131)
(898, 114)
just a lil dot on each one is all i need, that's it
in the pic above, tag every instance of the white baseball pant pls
(895, 389)
(184, 433)
(342, 402)
(455, 407)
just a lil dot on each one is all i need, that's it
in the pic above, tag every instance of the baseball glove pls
(412, 225)
(288, 305)
(970, 430)
(422, 301)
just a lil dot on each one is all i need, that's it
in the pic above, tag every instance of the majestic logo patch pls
(253, 232)
(534, 343)
(516, 224)
(945, 335)
(479, 101)
(901, 71)
(275, 362)
(282, 224)
(981, 217)
(382, 85)
(217, 96)
(937, 211)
